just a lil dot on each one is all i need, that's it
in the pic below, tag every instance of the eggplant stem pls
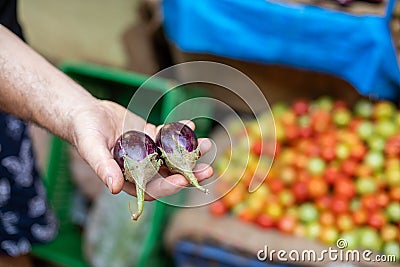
(140, 202)
(193, 181)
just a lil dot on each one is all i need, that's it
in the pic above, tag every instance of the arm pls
(32, 89)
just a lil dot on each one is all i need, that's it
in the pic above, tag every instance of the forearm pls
(34, 90)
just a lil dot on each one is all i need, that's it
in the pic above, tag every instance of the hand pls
(95, 130)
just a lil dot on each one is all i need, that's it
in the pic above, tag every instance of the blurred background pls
(109, 46)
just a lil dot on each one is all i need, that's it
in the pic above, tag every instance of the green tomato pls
(365, 129)
(393, 212)
(366, 185)
(392, 248)
(370, 239)
(342, 117)
(308, 213)
(316, 166)
(342, 151)
(386, 128)
(375, 160)
(352, 238)
(364, 109)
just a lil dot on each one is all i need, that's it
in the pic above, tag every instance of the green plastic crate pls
(116, 85)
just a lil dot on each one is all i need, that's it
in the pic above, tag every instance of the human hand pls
(95, 129)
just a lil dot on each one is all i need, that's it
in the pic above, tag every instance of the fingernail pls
(109, 183)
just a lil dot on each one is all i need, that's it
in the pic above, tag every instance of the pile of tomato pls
(335, 174)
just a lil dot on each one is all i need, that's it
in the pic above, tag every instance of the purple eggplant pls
(137, 156)
(179, 149)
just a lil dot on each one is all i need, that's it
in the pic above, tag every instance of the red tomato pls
(328, 153)
(287, 224)
(377, 219)
(332, 174)
(340, 104)
(275, 184)
(321, 121)
(340, 205)
(345, 187)
(218, 208)
(300, 191)
(300, 106)
(265, 221)
(292, 132)
(256, 148)
(369, 202)
(349, 167)
(383, 199)
(305, 131)
(324, 202)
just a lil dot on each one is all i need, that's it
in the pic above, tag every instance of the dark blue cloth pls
(25, 218)
(356, 48)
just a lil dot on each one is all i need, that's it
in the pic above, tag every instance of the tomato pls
(275, 210)
(235, 196)
(218, 208)
(344, 222)
(329, 234)
(382, 199)
(395, 193)
(301, 161)
(321, 121)
(345, 187)
(300, 106)
(246, 215)
(349, 167)
(317, 187)
(287, 224)
(369, 202)
(328, 153)
(327, 218)
(332, 173)
(340, 205)
(360, 216)
(256, 147)
(377, 219)
(265, 221)
(324, 202)
(300, 190)
(305, 131)
(358, 152)
(275, 185)
(364, 170)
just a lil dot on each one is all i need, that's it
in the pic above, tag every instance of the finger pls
(205, 145)
(161, 187)
(189, 123)
(102, 162)
(203, 171)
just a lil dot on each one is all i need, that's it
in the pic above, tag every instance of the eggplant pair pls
(140, 158)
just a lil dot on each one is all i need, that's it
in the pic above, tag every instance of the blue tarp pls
(357, 48)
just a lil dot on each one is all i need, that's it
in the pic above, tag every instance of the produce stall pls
(334, 180)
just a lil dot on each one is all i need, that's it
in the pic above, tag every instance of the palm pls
(96, 129)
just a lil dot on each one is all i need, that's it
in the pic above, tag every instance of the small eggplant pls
(179, 149)
(136, 154)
